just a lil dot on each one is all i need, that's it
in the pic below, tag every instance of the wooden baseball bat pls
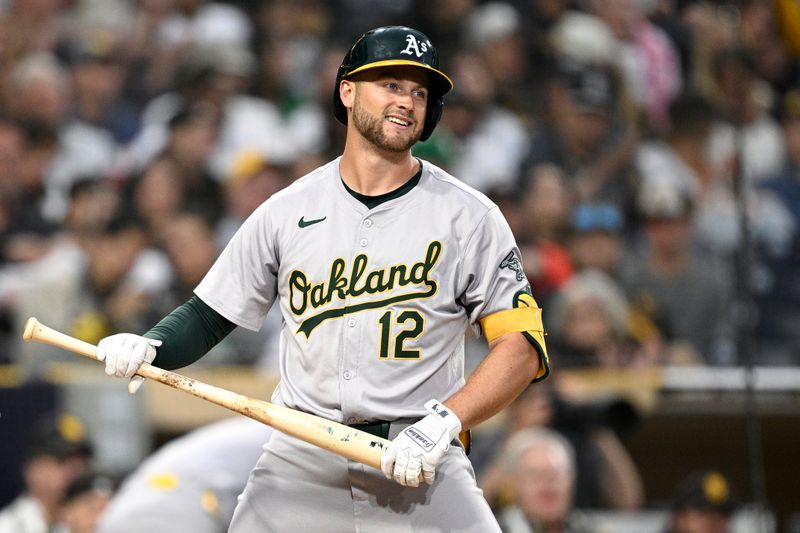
(343, 440)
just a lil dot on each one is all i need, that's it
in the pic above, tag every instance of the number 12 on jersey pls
(410, 324)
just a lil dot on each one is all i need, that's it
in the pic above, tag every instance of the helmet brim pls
(441, 84)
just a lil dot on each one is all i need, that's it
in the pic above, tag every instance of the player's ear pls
(347, 92)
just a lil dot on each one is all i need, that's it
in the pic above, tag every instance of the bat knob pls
(30, 326)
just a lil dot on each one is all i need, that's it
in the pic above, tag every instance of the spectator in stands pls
(679, 157)
(443, 22)
(493, 31)
(216, 78)
(760, 31)
(606, 475)
(167, 34)
(180, 177)
(85, 500)
(59, 453)
(40, 259)
(590, 321)
(647, 58)
(747, 138)
(596, 238)
(93, 204)
(251, 182)
(188, 241)
(489, 140)
(679, 161)
(39, 92)
(541, 465)
(194, 133)
(673, 286)
(12, 145)
(581, 132)
(110, 286)
(778, 296)
(291, 46)
(703, 503)
(541, 18)
(545, 209)
(156, 195)
(710, 27)
(98, 72)
(25, 232)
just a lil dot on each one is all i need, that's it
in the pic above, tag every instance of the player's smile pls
(401, 122)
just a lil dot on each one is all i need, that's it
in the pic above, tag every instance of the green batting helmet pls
(396, 45)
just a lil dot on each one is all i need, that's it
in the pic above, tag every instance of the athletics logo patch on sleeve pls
(512, 262)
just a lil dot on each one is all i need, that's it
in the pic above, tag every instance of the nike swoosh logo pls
(306, 223)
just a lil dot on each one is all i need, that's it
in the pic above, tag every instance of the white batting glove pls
(417, 449)
(124, 353)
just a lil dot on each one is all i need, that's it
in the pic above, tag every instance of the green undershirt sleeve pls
(188, 333)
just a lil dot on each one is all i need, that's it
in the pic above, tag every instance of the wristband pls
(446, 416)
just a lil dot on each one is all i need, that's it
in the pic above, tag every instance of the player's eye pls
(392, 86)
(422, 95)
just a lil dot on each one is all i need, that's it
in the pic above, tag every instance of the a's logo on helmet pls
(414, 46)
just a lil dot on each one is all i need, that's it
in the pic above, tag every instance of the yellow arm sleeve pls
(526, 317)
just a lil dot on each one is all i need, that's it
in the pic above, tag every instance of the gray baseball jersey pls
(375, 302)
(191, 484)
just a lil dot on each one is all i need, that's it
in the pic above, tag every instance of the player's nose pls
(404, 100)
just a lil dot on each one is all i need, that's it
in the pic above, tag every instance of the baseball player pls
(190, 485)
(379, 262)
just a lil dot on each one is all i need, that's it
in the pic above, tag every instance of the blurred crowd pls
(646, 154)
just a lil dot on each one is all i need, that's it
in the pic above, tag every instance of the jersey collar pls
(374, 201)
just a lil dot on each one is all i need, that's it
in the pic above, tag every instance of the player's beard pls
(371, 128)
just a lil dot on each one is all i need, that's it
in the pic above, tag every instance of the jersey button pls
(363, 243)
(351, 322)
(346, 374)
(368, 223)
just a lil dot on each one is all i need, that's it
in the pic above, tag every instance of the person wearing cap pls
(582, 132)
(596, 241)
(252, 180)
(703, 503)
(672, 285)
(59, 453)
(379, 262)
